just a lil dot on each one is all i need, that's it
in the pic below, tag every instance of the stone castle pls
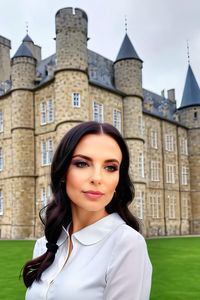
(40, 100)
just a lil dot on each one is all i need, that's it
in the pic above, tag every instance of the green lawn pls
(176, 268)
(13, 255)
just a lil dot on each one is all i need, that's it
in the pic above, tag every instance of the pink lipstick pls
(93, 194)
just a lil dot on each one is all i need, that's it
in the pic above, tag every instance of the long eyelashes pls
(83, 164)
(80, 164)
(111, 168)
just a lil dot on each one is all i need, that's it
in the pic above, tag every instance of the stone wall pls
(5, 46)
(23, 72)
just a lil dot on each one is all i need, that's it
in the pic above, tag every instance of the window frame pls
(170, 173)
(43, 113)
(155, 170)
(76, 102)
(117, 119)
(1, 121)
(154, 139)
(169, 143)
(50, 111)
(185, 175)
(98, 110)
(172, 207)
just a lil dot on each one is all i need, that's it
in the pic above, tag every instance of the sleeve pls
(130, 270)
(39, 248)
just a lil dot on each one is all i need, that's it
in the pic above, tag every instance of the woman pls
(92, 249)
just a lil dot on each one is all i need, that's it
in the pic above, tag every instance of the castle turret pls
(189, 115)
(35, 49)
(5, 46)
(71, 39)
(23, 68)
(128, 79)
(71, 74)
(22, 130)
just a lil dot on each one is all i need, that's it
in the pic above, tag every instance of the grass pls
(176, 265)
(176, 268)
(13, 255)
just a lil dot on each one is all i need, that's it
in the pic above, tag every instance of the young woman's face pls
(93, 174)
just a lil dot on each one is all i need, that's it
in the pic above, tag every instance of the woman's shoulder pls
(130, 237)
(40, 247)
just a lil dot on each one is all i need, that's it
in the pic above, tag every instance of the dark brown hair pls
(58, 211)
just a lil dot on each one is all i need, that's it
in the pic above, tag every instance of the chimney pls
(171, 95)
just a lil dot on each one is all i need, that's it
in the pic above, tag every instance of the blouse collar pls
(95, 232)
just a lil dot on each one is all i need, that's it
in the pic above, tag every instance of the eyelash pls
(82, 164)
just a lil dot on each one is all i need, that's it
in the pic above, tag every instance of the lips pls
(93, 194)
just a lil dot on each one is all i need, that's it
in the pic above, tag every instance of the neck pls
(82, 218)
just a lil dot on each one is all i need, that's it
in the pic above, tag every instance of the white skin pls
(94, 167)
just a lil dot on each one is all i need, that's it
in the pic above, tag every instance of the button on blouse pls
(109, 261)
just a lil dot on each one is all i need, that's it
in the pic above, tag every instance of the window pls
(44, 154)
(43, 113)
(155, 205)
(141, 125)
(47, 152)
(155, 166)
(154, 139)
(117, 119)
(169, 142)
(184, 146)
(76, 100)
(170, 173)
(172, 207)
(98, 112)
(185, 175)
(49, 194)
(43, 197)
(185, 208)
(50, 152)
(47, 110)
(139, 200)
(1, 160)
(1, 121)
(1, 202)
(195, 115)
(51, 112)
(141, 164)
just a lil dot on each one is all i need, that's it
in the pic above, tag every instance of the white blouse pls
(109, 261)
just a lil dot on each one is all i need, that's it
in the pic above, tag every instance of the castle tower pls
(71, 76)
(128, 79)
(22, 132)
(35, 49)
(189, 114)
(5, 46)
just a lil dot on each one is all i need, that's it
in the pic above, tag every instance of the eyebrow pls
(90, 159)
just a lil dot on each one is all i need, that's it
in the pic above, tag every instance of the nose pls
(96, 176)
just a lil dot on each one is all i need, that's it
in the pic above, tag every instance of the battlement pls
(67, 18)
(5, 42)
(70, 11)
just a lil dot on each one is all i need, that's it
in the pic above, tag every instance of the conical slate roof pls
(23, 51)
(27, 39)
(127, 50)
(191, 93)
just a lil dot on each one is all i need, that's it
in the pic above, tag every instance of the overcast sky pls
(158, 30)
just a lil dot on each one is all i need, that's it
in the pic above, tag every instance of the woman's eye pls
(111, 168)
(80, 164)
